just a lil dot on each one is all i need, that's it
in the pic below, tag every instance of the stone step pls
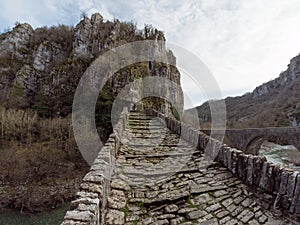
(135, 145)
(146, 131)
(151, 127)
(140, 118)
(158, 155)
(159, 172)
(147, 136)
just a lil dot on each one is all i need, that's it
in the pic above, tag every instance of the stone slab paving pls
(161, 179)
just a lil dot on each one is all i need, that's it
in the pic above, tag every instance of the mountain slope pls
(275, 103)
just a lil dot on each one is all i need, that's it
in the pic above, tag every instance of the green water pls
(14, 217)
(284, 155)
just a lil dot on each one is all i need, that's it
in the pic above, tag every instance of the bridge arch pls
(254, 145)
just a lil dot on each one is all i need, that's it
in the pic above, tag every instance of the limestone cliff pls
(285, 78)
(40, 69)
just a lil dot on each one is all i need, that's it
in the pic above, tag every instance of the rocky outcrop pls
(15, 40)
(45, 65)
(81, 38)
(93, 36)
(46, 54)
(285, 78)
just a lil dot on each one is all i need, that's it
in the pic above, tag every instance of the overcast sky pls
(244, 43)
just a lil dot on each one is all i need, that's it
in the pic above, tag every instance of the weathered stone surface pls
(245, 216)
(87, 201)
(116, 200)
(115, 217)
(72, 222)
(82, 216)
(196, 214)
(95, 188)
(18, 38)
(120, 184)
(46, 53)
(295, 203)
(171, 208)
(211, 195)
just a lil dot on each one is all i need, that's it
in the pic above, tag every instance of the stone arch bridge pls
(156, 170)
(249, 140)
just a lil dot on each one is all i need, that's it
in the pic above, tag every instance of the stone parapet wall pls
(282, 183)
(90, 203)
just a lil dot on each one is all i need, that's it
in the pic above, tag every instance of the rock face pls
(41, 68)
(272, 104)
(88, 35)
(46, 54)
(285, 78)
(17, 39)
(81, 38)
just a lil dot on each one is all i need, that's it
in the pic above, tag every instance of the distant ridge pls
(272, 104)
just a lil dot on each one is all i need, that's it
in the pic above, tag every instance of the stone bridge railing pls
(249, 140)
(282, 183)
(90, 203)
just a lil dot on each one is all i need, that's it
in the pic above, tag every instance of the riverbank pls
(40, 165)
(35, 198)
(53, 217)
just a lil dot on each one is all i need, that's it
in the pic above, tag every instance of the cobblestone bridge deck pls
(160, 179)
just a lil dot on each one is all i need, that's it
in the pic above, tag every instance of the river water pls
(14, 217)
(284, 155)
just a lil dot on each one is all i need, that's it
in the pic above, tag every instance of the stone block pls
(96, 176)
(115, 217)
(264, 175)
(89, 207)
(257, 169)
(234, 160)
(221, 154)
(87, 201)
(92, 187)
(295, 204)
(242, 166)
(84, 194)
(99, 164)
(72, 222)
(284, 181)
(224, 160)
(291, 184)
(217, 148)
(277, 178)
(250, 170)
(229, 159)
(270, 178)
(85, 216)
(120, 184)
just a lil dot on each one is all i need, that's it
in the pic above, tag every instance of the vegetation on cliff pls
(40, 165)
(273, 104)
